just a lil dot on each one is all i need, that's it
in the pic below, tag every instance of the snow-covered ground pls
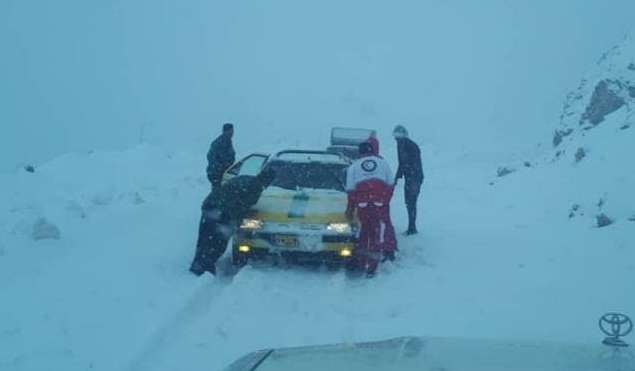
(497, 258)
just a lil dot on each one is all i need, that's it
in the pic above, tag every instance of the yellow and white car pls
(301, 216)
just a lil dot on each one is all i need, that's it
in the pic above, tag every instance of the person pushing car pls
(369, 186)
(221, 212)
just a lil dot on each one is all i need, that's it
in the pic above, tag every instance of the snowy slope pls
(596, 134)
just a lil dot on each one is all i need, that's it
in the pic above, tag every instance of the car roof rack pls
(348, 136)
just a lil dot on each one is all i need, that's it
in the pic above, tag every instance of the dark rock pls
(631, 219)
(580, 154)
(603, 220)
(558, 135)
(44, 230)
(604, 101)
(504, 171)
(631, 91)
(625, 126)
(557, 138)
(631, 66)
(527, 164)
(29, 168)
(574, 210)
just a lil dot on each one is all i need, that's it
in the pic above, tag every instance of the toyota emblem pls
(615, 326)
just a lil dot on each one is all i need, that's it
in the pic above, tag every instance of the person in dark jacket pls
(411, 169)
(221, 156)
(222, 211)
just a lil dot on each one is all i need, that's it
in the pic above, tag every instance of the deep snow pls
(497, 257)
(499, 261)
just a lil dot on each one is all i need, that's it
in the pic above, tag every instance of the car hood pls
(429, 353)
(311, 206)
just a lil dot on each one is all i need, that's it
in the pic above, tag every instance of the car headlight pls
(346, 252)
(252, 224)
(339, 227)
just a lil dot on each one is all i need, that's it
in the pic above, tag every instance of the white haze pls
(78, 76)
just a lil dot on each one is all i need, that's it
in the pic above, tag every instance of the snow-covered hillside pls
(595, 137)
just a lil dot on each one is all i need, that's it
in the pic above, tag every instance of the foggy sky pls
(83, 75)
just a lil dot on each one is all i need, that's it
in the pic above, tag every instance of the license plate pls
(285, 240)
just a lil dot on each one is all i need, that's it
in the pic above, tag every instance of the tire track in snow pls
(198, 305)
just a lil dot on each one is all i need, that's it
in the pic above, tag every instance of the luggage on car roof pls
(346, 140)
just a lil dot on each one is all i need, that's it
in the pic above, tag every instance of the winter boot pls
(412, 220)
(196, 268)
(388, 256)
(371, 268)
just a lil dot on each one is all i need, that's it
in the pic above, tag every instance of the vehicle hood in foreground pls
(427, 354)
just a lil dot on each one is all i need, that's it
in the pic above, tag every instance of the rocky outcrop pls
(603, 221)
(504, 171)
(606, 99)
(45, 230)
(580, 154)
(609, 88)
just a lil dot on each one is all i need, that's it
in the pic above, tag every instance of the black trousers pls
(213, 237)
(412, 189)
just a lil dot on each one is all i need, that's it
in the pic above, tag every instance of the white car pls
(301, 216)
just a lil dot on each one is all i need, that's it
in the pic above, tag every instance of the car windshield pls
(314, 175)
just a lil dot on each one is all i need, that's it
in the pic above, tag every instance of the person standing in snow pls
(369, 186)
(221, 156)
(411, 169)
(222, 210)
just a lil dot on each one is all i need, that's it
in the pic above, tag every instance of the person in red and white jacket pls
(369, 183)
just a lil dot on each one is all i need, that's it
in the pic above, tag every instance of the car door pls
(250, 165)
